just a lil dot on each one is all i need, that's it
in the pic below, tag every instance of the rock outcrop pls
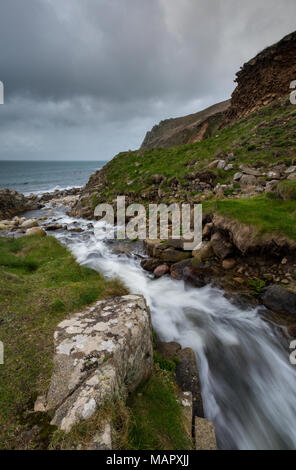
(188, 129)
(264, 79)
(13, 203)
(100, 354)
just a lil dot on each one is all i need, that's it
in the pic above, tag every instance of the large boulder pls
(101, 353)
(36, 231)
(221, 246)
(279, 300)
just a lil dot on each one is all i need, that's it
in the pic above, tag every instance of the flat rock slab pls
(100, 354)
(205, 435)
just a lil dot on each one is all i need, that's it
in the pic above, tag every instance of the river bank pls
(227, 340)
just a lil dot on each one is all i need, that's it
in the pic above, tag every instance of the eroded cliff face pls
(264, 79)
(187, 129)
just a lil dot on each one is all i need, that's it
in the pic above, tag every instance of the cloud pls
(84, 80)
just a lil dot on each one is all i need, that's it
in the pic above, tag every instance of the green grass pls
(40, 284)
(156, 418)
(287, 190)
(267, 215)
(267, 136)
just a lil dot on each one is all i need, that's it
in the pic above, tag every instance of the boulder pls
(279, 300)
(237, 176)
(228, 263)
(150, 264)
(248, 181)
(161, 270)
(52, 227)
(249, 171)
(221, 164)
(292, 177)
(205, 434)
(170, 255)
(198, 277)
(205, 252)
(221, 246)
(291, 169)
(101, 353)
(36, 231)
(29, 223)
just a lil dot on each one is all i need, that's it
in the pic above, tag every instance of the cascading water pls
(248, 384)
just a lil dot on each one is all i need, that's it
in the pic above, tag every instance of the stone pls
(30, 223)
(150, 264)
(274, 175)
(36, 231)
(213, 164)
(205, 252)
(221, 164)
(207, 230)
(249, 171)
(292, 177)
(199, 276)
(228, 263)
(101, 353)
(279, 300)
(170, 255)
(221, 247)
(52, 227)
(169, 350)
(161, 270)
(229, 167)
(248, 181)
(187, 378)
(237, 176)
(291, 169)
(205, 434)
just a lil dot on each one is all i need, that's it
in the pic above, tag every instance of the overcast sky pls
(85, 79)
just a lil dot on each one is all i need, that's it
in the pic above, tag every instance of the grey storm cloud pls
(85, 79)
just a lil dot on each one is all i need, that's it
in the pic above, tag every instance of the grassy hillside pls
(40, 283)
(265, 137)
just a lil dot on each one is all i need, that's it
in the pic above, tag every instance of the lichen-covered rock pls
(100, 354)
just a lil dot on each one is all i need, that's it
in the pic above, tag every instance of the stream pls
(248, 384)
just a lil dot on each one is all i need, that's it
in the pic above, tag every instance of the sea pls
(39, 177)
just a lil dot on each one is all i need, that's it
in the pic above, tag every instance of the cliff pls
(188, 129)
(264, 79)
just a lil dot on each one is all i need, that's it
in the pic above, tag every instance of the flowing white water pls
(248, 384)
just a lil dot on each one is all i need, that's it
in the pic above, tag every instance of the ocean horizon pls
(41, 176)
